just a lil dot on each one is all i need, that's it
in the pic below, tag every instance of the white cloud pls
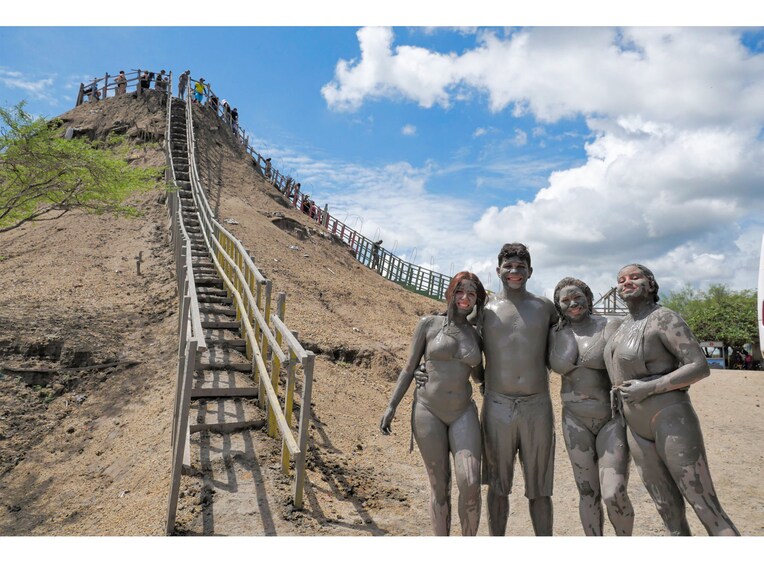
(677, 74)
(408, 129)
(41, 89)
(462, 30)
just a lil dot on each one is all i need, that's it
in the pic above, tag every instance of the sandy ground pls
(87, 453)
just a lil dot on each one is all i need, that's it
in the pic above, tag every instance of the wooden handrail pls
(238, 272)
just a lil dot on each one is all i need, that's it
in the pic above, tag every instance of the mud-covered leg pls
(537, 457)
(542, 513)
(659, 484)
(432, 439)
(680, 443)
(498, 511)
(613, 452)
(580, 444)
(464, 438)
(498, 462)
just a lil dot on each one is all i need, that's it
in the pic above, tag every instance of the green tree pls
(718, 314)
(43, 175)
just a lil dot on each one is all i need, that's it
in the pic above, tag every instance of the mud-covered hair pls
(571, 281)
(650, 276)
(515, 250)
(466, 275)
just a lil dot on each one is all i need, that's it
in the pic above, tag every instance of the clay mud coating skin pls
(444, 416)
(652, 360)
(517, 409)
(595, 441)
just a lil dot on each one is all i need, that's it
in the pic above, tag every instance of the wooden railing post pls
(275, 366)
(179, 452)
(302, 441)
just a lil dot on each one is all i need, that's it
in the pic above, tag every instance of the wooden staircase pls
(222, 386)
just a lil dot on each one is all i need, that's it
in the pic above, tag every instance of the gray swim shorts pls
(523, 424)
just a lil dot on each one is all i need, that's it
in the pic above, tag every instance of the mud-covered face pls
(465, 295)
(514, 272)
(573, 303)
(633, 283)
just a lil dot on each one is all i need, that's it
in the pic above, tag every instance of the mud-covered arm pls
(478, 371)
(550, 345)
(676, 337)
(611, 327)
(406, 375)
(554, 317)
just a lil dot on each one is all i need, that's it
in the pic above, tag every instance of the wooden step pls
(220, 324)
(224, 415)
(219, 309)
(207, 298)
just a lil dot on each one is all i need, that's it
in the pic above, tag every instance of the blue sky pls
(596, 146)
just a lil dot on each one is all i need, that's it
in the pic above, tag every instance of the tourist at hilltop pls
(160, 84)
(92, 92)
(226, 111)
(145, 80)
(121, 81)
(200, 89)
(183, 83)
(235, 120)
(212, 103)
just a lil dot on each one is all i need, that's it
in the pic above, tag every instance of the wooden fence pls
(100, 87)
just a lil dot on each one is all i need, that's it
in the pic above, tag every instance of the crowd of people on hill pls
(143, 82)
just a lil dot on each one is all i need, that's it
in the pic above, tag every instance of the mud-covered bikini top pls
(453, 344)
(564, 353)
(624, 354)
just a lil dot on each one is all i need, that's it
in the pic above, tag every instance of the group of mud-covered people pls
(624, 391)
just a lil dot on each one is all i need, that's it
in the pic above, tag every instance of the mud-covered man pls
(517, 409)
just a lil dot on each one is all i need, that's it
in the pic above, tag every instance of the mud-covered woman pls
(595, 441)
(652, 359)
(444, 417)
